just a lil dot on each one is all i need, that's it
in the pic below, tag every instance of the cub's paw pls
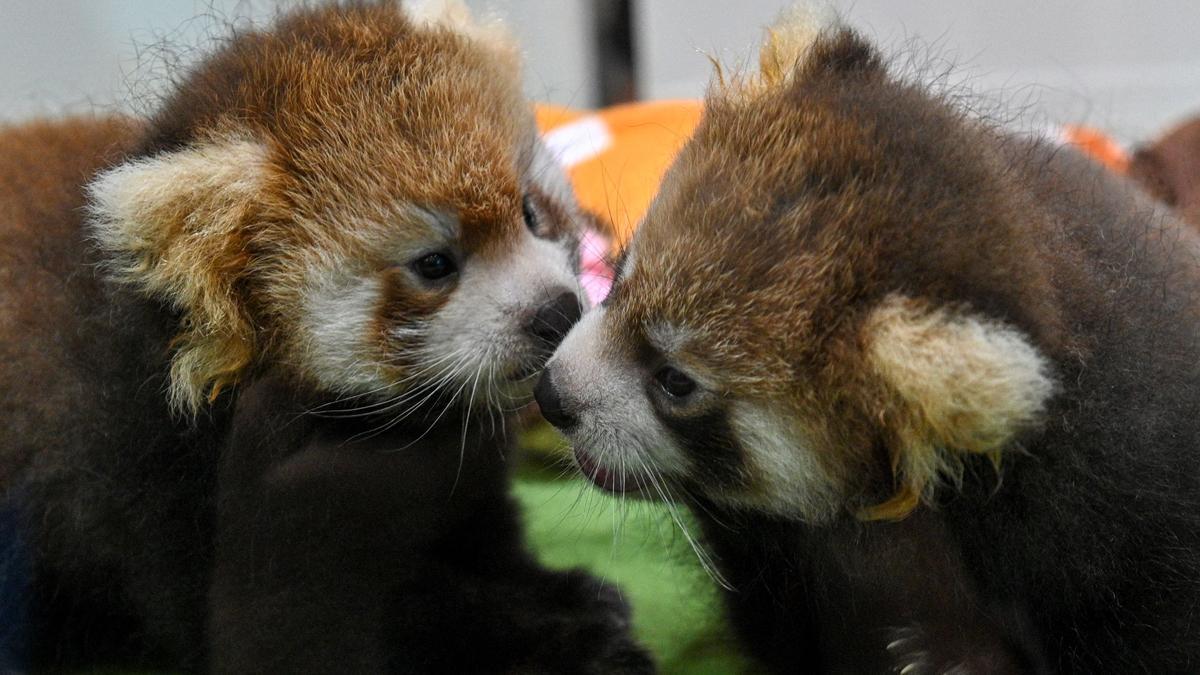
(593, 624)
(908, 652)
(921, 649)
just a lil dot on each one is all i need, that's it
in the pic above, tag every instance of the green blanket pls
(677, 612)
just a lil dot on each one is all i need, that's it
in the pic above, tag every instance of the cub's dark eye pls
(675, 383)
(531, 219)
(434, 266)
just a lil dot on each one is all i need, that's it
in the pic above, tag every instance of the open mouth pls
(609, 481)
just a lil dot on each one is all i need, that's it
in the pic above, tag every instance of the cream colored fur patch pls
(789, 40)
(337, 309)
(965, 385)
(173, 227)
(787, 43)
(788, 479)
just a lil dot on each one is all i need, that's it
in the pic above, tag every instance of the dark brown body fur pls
(263, 544)
(922, 380)
(1169, 168)
(252, 538)
(1085, 557)
(90, 445)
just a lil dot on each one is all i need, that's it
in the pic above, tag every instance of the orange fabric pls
(1098, 146)
(550, 116)
(619, 179)
(616, 157)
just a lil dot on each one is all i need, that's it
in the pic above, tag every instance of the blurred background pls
(1128, 68)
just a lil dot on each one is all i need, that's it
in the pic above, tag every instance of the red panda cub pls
(255, 354)
(929, 388)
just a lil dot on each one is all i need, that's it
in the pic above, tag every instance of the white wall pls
(75, 55)
(557, 38)
(1128, 67)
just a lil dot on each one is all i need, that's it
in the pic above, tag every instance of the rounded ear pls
(955, 385)
(1147, 170)
(842, 51)
(801, 43)
(788, 42)
(174, 227)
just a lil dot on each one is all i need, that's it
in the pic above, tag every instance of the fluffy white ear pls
(958, 384)
(786, 45)
(456, 16)
(174, 226)
(788, 42)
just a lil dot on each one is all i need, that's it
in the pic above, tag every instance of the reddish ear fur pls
(174, 227)
(956, 385)
(1169, 169)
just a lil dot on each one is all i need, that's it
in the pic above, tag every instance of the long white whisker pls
(664, 492)
(462, 450)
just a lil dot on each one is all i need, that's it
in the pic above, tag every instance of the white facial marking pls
(476, 345)
(484, 321)
(668, 339)
(617, 426)
(444, 224)
(788, 478)
(338, 311)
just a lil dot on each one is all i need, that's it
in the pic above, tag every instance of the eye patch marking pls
(553, 221)
(709, 442)
(531, 217)
(402, 303)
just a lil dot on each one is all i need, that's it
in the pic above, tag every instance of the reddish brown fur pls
(351, 108)
(810, 200)
(46, 165)
(166, 541)
(1169, 169)
(817, 264)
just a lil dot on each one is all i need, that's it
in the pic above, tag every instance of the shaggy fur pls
(930, 388)
(200, 487)
(337, 551)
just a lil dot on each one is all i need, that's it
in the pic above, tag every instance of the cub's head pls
(357, 196)
(829, 306)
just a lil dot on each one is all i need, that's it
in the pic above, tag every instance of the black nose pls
(551, 403)
(552, 321)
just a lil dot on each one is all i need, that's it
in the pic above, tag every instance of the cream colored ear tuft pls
(456, 16)
(786, 45)
(173, 226)
(806, 43)
(961, 384)
(788, 42)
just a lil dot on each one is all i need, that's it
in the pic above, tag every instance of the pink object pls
(595, 273)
